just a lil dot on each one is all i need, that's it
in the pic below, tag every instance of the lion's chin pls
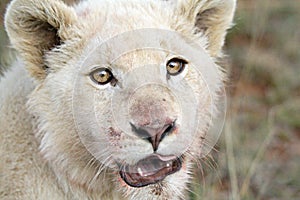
(150, 170)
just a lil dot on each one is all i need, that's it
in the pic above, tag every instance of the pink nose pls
(154, 135)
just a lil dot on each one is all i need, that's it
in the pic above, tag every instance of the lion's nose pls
(154, 135)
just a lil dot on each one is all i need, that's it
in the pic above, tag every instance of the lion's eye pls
(175, 66)
(102, 76)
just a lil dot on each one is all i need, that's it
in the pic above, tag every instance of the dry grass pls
(259, 152)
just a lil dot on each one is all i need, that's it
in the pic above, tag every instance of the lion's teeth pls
(140, 171)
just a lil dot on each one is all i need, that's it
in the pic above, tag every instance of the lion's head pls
(125, 90)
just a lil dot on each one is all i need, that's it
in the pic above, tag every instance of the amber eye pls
(175, 66)
(102, 76)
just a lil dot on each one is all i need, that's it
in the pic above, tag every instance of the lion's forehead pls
(114, 20)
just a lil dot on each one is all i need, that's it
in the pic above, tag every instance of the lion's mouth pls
(150, 170)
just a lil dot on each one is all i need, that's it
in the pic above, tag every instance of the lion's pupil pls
(103, 75)
(175, 66)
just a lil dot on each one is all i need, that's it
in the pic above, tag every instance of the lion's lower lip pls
(150, 170)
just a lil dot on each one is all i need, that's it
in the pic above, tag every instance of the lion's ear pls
(211, 17)
(35, 27)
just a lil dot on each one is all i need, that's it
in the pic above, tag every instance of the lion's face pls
(127, 102)
(142, 115)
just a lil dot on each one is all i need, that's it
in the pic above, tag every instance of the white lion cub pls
(109, 99)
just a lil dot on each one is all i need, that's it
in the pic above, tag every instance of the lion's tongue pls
(150, 170)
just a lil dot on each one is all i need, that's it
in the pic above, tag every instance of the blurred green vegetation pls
(258, 155)
(3, 37)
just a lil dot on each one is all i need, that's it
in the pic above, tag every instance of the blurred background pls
(258, 154)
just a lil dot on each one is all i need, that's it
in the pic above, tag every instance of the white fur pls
(42, 155)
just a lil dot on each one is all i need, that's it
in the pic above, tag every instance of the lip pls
(150, 170)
